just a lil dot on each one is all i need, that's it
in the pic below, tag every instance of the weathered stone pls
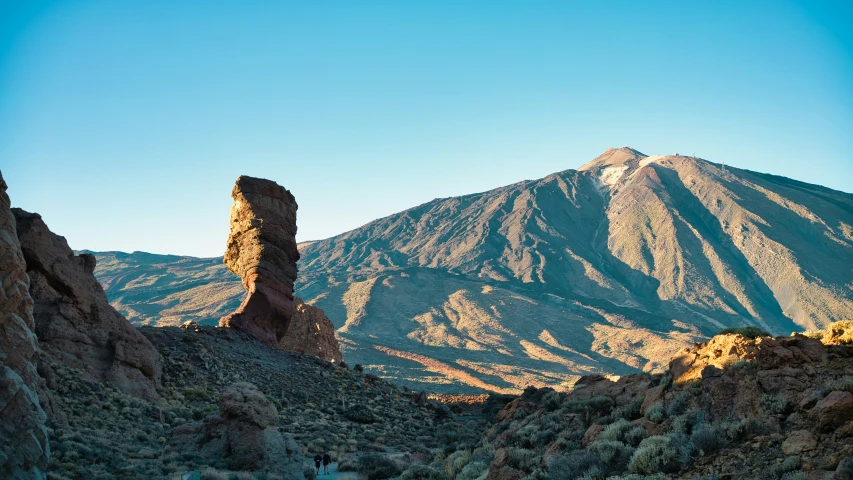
(262, 251)
(311, 332)
(24, 449)
(245, 435)
(798, 442)
(833, 410)
(75, 323)
(723, 350)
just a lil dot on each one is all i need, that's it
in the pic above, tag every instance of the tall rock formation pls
(24, 450)
(262, 251)
(74, 322)
(311, 332)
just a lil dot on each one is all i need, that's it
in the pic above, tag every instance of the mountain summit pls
(608, 268)
(611, 268)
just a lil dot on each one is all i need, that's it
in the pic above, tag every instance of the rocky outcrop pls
(709, 358)
(311, 332)
(24, 450)
(75, 323)
(245, 435)
(262, 251)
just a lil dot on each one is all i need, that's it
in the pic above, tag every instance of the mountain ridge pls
(624, 260)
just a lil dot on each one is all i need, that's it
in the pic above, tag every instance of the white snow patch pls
(610, 175)
(650, 159)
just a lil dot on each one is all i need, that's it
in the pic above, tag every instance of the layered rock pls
(24, 450)
(262, 251)
(311, 332)
(75, 323)
(245, 435)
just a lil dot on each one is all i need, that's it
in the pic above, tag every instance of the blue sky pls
(126, 123)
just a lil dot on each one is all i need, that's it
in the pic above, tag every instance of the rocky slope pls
(24, 451)
(734, 407)
(611, 268)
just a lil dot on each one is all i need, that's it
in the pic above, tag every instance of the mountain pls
(609, 269)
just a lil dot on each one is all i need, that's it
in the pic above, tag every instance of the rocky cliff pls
(24, 451)
(75, 324)
(262, 251)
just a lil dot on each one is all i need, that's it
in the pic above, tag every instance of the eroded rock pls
(24, 449)
(244, 435)
(311, 332)
(75, 324)
(262, 251)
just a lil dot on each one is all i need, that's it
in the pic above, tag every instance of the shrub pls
(656, 413)
(523, 459)
(844, 384)
(635, 436)
(377, 467)
(456, 462)
(788, 465)
(613, 456)
(797, 475)
(422, 472)
(473, 471)
(748, 332)
(616, 431)
(561, 467)
(688, 421)
(347, 464)
(631, 411)
(309, 472)
(708, 439)
(660, 454)
(746, 429)
(677, 406)
(551, 401)
(360, 414)
(776, 404)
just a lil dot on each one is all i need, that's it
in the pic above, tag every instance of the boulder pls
(75, 323)
(24, 448)
(311, 332)
(799, 441)
(833, 410)
(244, 436)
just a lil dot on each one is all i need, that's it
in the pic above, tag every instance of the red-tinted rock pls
(833, 410)
(311, 332)
(262, 251)
(75, 324)
(245, 435)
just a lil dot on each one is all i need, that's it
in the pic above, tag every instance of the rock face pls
(262, 251)
(75, 323)
(24, 450)
(245, 435)
(311, 332)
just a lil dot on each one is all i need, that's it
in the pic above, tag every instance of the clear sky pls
(125, 123)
